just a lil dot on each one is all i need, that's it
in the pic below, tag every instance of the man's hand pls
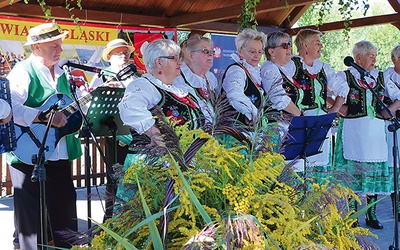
(112, 84)
(7, 119)
(59, 120)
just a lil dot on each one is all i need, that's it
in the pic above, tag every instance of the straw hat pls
(116, 43)
(46, 32)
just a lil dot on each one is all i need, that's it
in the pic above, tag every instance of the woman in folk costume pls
(275, 77)
(361, 147)
(242, 81)
(198, 56)
(393, 73)
(144, 94)
(278, 51)
(309, 91)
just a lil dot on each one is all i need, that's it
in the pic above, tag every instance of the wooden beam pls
(360, 22)
(397, 25)
(92, 16)
(231, 12)
(227, 28)
(173, 7)
(4, 3)
(214, 27)
(295, 15)
(395, 5)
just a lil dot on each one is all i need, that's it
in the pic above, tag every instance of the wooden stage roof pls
(201, 15)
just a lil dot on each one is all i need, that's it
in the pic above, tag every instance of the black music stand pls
(305, 137)
(103, 114)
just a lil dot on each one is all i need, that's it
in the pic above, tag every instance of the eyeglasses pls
(204, 51)
(120, 53)
(176, 58)
(255, 52)
(285, 45)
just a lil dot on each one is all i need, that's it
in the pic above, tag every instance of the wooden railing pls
(98, 173)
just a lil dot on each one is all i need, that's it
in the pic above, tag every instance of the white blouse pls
(392, 75)
(195, 81)
(272, 83)
(234, 84)
(334, 83)
(140, 96)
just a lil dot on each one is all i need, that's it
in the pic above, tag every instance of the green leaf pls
(155, 235)
(121, 240)
(150, 218)
(192, 196)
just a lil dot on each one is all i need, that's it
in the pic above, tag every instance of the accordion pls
(7, 132)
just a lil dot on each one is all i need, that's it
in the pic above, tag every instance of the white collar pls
(253, 70)
(170, 88)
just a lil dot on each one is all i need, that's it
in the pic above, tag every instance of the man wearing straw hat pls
(117, 52)
(32, 82)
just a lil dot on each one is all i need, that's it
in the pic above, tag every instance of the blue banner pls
(224, 46)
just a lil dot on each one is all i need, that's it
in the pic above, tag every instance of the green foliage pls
(249, 207)
(68, 6)
(345, 8)
(339, 44)
(247, 18)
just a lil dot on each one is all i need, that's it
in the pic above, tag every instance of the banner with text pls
(224, 47)
(83, 45)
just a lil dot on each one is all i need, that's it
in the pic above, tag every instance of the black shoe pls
(374, 224)
(370, 214)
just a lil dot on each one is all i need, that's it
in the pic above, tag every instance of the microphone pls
(65, 61)
(126, 72)
(349, 61)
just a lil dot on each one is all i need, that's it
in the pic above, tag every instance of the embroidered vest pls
(177, 110)
(250, 90)
(357, 97)
(307, 83)
(39, 91)
(290, 88)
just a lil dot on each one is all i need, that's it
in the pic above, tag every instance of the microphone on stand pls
(349, 61)
(66, 62)
(68, 74)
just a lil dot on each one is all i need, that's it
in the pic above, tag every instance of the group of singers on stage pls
(178, 81)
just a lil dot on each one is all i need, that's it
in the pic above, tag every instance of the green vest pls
(39, 91)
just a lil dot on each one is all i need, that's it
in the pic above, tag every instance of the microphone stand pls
(393, 127)
(39, 174)
(87, 132)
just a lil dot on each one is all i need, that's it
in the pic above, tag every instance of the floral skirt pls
(361, 177)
